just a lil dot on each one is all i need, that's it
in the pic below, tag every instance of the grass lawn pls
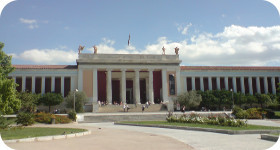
(18, 133)
(248, 127)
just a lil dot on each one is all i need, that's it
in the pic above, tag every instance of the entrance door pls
(129, 99)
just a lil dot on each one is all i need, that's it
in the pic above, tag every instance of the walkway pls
(107, 136)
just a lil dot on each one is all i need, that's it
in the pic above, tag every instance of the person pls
(124, 106)
(143, 108)
(147, 104)
(183, 109)
(127, 108)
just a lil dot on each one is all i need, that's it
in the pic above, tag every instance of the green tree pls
(189, 99)
(6, 62)
(51, 99)
(263, 99)
(80, 99)
(9, 103)
(29, 101)
(251, 99)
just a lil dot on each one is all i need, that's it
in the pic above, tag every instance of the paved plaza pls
(107, 136)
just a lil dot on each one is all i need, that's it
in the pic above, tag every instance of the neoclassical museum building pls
(138, 78)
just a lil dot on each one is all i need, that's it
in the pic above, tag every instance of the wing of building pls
(138, 78)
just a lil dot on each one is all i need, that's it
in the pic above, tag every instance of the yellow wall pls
(87, 82)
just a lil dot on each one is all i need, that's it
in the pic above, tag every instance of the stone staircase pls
(133, 108)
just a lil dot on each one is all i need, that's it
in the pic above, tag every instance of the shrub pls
(189, 99)
(51, 99)
(80, 100)
(210, 120)
(4, 122)
(254, 113)
(242, 114)
(72, 115)
(25, 119)
(270, 113)
(29, 101)
(46, 118)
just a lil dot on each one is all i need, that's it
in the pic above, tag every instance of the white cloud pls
(32, 23)
(235, 45)
(183, 29)
(48, 56)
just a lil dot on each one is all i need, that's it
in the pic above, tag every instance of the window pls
(171, 84)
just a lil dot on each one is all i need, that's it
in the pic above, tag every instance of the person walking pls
(143, 108)
(124, 107)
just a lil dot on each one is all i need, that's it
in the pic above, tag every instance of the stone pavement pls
(105, 139)
(109, 136)
(200, 140)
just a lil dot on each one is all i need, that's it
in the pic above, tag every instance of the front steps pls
(133, 108)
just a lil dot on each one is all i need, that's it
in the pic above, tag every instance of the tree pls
(189, 99)
(251, 99)
(6, 63)
(9, 103)
(51, 99)
(29, 101)
(80, 99)
(263, 99)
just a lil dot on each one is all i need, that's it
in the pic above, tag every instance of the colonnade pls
(43, 79)
(123, 88)
(253, 84)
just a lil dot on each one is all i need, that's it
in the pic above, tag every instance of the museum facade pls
(138, 78)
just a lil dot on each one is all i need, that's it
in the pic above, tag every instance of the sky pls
(207, 32)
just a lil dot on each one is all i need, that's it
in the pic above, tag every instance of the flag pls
(128, 40)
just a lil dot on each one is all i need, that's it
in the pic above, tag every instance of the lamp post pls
(232, 98)
(74, 98)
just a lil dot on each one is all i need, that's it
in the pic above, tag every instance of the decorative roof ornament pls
(95, 49)
(163, 50)
(176, 50)
(81, 48)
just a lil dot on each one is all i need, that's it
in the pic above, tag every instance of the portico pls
(139, 78)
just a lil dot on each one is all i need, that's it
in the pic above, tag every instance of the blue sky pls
(216, 32)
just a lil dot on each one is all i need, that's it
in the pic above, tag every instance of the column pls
(123, 86)
(242, 85)
(43, 85)
(265, 85)
(53, 84)
(137, 87)
(258, 85)
(95, 85)
(210, 83)
(218, 83)
(33, 84)
(201, 84)
(226, 83)
(193, 83)
(178, 82)
(109, 86)
(164, 85)
(273, 85)
(234, 84)
(80, 80)
(15, 79)
(23, 83)
(62, 85)
(250, 86)
(72, 83)
(151, 86)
